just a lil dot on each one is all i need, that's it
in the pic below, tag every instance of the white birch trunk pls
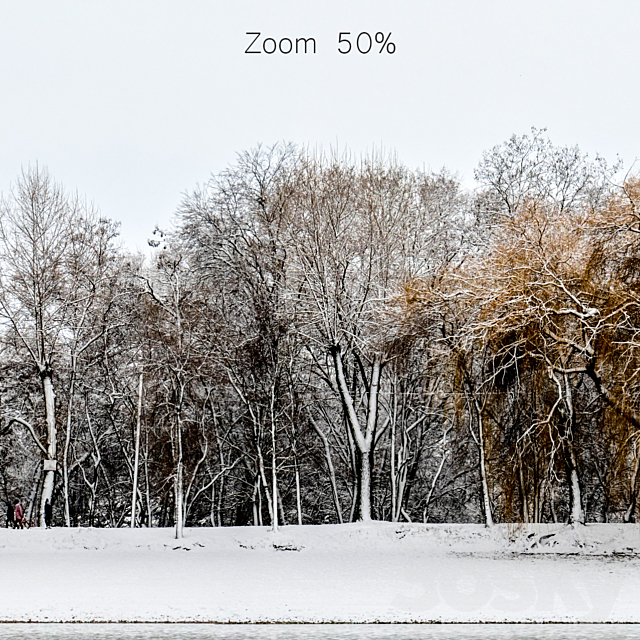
(577, 513)
(298, 497)
(274, 494)
(67, 442)
(263, 477)
(52, 434)
(178, 499)
(178, 487)
(365, 488)
(394, 496)
(488, 517)
(274, 478)
(363, 440)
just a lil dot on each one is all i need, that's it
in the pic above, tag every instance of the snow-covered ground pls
(379, 572)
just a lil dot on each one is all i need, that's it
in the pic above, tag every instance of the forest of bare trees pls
(320, 339)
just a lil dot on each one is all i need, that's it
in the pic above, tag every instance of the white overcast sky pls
(134, 102)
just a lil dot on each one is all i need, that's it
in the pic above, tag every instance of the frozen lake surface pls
(316, 632)
(50, 631)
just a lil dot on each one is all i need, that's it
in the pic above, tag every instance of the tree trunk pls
(332, 473)
(254, 502)
(394, 419)
(523, 489)
(538, 489)
(67, 442)
(147, 488)
(33, 495)
(364, 514)
(364, 441)
(283, 518)
(257, 506)
(52, 435)
(97, 460)
(486, 502)
(298, 498)
(136, 461)
(274, 475)
(576, 513)
(178, 502)
(552, 505)
(425, 513)
(263, 477)
(631, 507)
(179, 509)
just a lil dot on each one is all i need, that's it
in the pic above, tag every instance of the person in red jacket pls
(19, 514)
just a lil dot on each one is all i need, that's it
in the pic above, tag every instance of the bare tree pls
(362, 233)
(38, 223)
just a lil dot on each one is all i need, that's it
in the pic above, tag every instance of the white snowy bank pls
(379, 572)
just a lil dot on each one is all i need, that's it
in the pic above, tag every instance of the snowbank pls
(379, 572)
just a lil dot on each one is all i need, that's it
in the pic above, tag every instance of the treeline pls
(321, 340)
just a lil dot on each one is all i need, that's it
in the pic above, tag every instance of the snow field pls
(378, 572)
